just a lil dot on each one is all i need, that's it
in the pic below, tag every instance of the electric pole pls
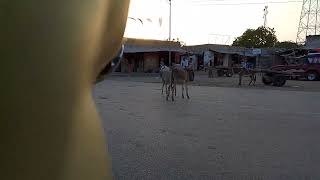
(309, 20)
(265, 10)
(170, 14)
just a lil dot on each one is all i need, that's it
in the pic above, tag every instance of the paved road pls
(221, 133)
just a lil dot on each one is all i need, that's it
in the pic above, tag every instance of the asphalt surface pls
(220, 133)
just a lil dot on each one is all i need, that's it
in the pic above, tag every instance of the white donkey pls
(166, 77)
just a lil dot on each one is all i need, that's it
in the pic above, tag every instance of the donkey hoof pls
(188, 97)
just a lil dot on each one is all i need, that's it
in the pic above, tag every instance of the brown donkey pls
(179, 76)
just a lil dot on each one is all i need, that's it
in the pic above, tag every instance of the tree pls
(287, 45)
(257, 38)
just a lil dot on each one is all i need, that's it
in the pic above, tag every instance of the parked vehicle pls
(305, 67)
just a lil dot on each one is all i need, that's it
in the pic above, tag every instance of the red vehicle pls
(305, 67)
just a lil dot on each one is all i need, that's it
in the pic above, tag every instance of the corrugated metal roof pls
(226, 49)
(135, 49)
(149, 45)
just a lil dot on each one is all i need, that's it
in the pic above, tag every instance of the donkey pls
(179, 76)
(166, 77)
(251, 73)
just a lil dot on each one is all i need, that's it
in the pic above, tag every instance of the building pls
(231, 56)
(222, 55)
(142, 55)
(268, 57)
(313, 42)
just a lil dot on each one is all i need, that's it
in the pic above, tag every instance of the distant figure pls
(190, 64)
(245, 65)
(210, 68)
(184, 63)
(161, 61)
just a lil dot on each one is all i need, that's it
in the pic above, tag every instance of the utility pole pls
(170, 14)
(265, 10)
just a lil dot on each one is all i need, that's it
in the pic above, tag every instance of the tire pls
(220, 72)
(279, 80)
(267, 80)
(191, 76)
(312, 76)
(229, 74)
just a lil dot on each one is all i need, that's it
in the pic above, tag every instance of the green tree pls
(287, 45)
(257, 38)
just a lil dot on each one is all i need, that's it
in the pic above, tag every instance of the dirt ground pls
(201, 79)
(221, 133)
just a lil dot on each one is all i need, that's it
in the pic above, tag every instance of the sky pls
(211, 21)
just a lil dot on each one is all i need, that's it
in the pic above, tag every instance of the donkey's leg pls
(187, 91)
(173, 87)
(168, 94)
(251, 79)
(240, 78)
(166, 88)
(182, 87)
(162, 88)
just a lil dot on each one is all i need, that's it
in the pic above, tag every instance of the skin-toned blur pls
(51, 53)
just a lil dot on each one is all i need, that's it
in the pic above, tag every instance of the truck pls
(307, 67)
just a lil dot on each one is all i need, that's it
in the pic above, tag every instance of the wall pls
(313, 42)
(194, 59)
(135, 65)
(124, 66)
(151, 62)
(208, 55)
(177, 58)
(264, 62)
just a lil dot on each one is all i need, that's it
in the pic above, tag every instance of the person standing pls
(210, 68)
(184, 63)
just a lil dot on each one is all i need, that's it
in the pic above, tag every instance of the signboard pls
(314, 58)
(256, 51)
